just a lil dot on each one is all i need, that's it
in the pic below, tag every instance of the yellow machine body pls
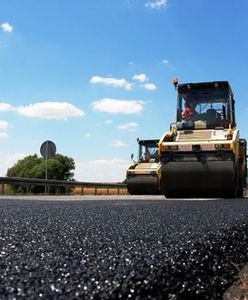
(143, 176)
(199, 158)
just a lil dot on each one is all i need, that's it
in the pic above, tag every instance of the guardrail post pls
(82, 190)
(95, 191)
(67, 191)
(118, 191)
(107, 191)
(2, 189)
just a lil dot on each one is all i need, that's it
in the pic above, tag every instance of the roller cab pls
(202, 155)
(143, 176)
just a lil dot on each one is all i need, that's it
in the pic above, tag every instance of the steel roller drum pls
(199, 176)
(142, 185)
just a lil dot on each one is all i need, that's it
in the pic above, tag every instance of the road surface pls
(120, 248)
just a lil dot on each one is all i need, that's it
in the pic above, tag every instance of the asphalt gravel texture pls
(121, 249)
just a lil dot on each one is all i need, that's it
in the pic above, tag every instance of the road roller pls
(143, 176)
(202, 155)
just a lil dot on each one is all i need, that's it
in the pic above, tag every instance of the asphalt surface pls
(121, 249)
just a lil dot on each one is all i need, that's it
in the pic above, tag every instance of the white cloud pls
(131, 126)
(3, 135)
(50, 110)
(11, 159)
(3, 125)
(6, 27)
(115, 82)
(5, 106)
(149, 86)
(8, 160)
(87, 135)
(116, 106)
(156, 4)
(118, 144)
(108, 121)
(95, 170)
(165, 61)
(140, 77)
(36, 141)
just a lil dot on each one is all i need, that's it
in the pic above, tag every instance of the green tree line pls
(59, 167)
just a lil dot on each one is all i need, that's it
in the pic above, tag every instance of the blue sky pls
(92, 76)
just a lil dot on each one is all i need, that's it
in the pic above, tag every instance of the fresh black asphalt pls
(121, 249)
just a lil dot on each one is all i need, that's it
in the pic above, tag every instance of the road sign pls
(48, 149)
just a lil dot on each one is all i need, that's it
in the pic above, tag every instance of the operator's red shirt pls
(187, 112)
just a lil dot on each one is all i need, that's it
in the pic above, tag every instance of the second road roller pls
(143, 176)
(203, 155)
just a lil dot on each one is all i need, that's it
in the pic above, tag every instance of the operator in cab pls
(188, 112)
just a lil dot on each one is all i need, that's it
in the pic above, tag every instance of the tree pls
(59, 167)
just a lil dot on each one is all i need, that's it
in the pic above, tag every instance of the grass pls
(78, 191)
(99, 191)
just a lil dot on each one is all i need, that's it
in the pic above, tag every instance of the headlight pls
(174, 147)
(218, 146)
(169, 148)
(222, 146)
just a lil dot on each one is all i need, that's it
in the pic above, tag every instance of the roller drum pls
(198, 175)
(142, 185)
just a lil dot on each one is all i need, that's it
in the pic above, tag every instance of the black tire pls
(238, 188)
(240, 192)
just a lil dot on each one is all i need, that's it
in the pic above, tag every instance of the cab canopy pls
(148, 150)
(205, 105)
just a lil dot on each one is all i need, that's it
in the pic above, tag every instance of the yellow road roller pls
(143, 176)
(203, 155)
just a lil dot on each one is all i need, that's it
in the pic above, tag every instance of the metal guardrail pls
(67, 184)
(59, 183)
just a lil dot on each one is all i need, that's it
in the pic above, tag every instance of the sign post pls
(47, 150)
